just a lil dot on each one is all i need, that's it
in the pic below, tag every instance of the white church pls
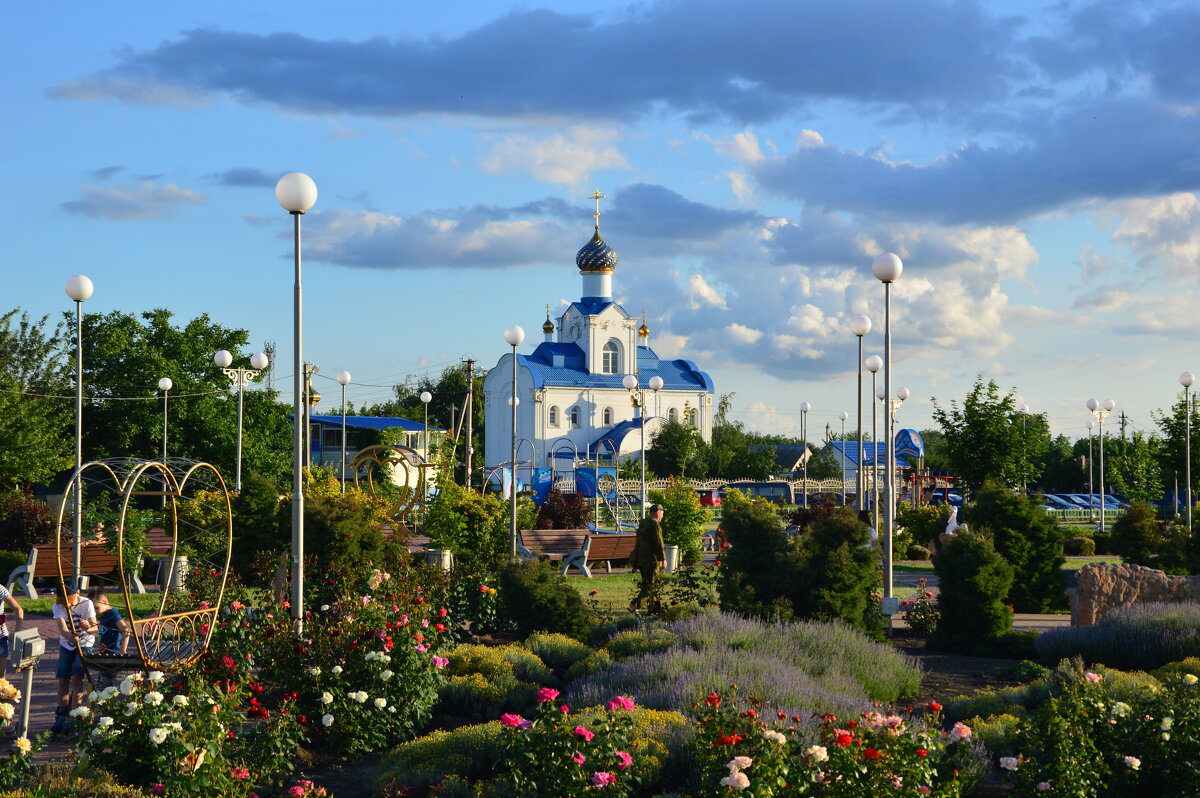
(572, 402)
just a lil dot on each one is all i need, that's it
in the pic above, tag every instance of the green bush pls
(916, 552)
(557, 651)
(1079, 547)
(477, 697)
(1028, 538)
(10, 560)
(593, 663)
(635, 643)
(683, 519)
(1174, 670)
(1136, 535)
(494, 662)
(24, 521)
(996, 732)
(973, 581)
(537, 599)
(922, 524)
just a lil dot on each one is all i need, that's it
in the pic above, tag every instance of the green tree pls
(1173, 448)
(683, 519)
(677, 451)
(1027, 538)
(1064, 468)
(1135, 473)
(973, 579)
(35, 409)
(987, 438)
(1137, 534)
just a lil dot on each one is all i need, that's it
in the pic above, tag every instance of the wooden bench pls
(577, 547)
(44, 559)
(606, 547)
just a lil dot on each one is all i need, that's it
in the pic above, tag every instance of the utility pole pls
(269, 351)
(470, 411)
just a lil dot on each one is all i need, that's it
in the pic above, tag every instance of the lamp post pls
(887, 268)
(1023, 409)
(843, 416)
(240, 377)
(656, 384)
(165, 386)
(1187, 380)
(901, 397)
(1101, 411)
(874, 363)
(79, 288)
(860, 325)
(804, 408)
(1091, 425)
(297, 193)
(426, 398)
(513, 336)
(343, 379)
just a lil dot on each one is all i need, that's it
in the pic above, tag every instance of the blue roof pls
(373, 422)
(677, 375)
(877, 450)
(616, 435)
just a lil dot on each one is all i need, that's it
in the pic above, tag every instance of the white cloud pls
(561, 158)
(809, 138)
(1164, 232)
(145, 200)
(743, 334)
(742, 147)
(700, 292)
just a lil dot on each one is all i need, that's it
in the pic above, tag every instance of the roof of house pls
(908, 445)
(677, 375)
(373, 422)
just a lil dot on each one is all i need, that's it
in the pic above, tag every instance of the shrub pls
(564, 511)
(1176, 669)
(24, 521)
(921, 613)
(557, 651)
(1136, 535)
(537, 599)
(1029, 540)
(474, 526)
(997, 732)
(635, 643)
(683, 519)
(596, 661)
(973, 581)
(257, 525)
(1079, 547)
(916, 552)
(10, 560)
(487, 680)
(1137, 636)
(923, 524)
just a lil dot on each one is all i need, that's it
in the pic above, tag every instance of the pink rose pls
(620, 702)
(510, 720)
(240, 772)
(547, 694)
(961, 731)
(602, 778)
(578, 758)
(1043, 786)
(626, 760)
(1093, 678)
(440, 662)
(584, 733)
(296, 792)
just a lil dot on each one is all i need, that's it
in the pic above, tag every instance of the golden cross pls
(597, 196)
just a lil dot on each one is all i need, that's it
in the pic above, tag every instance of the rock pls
(1103, 586)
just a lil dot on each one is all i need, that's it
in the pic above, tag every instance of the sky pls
(1035, 165)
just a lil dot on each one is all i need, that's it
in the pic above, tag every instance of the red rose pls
(871, 753)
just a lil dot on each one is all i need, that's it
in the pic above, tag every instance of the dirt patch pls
(948, 676)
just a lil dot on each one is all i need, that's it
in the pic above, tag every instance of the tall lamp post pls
(426, 398)
(1091, 425)
(1187, 380)
(804, 408)
(843, 416)
(1101, 411)
(887, 268)
(297, 193)
(860, 325)
(165, 385)
(639, 398)
(1023, 409)
(343, 379)
(240, 377)
(513, 336)
(79, 289)
(874, 363)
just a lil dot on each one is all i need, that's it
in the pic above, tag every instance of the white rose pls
(108, 692)
(336, 669)
(327, 720)
(93, 697)
(1009, 762)
(314, 671)
(179, 700)
(324, 608)
(157, 676)
(157, 736)
(104, 722)
(127, 686)
(80, 712)
(326, 698)
(153, 697)
(818, 752)
(380, 703)
(130, 708)
(386, 675)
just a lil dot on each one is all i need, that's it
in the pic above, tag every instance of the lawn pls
(143, 604)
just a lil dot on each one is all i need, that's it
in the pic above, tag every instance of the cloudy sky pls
(1035, 165)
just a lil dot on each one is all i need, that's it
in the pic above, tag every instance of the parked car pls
(1052, 502)
(939, 498)
(710, 498)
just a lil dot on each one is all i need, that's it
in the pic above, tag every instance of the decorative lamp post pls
(860, 325)
(630, 382)
(240, 377)
(343, 379)
(1101, 410)
(843, 416)
(874, 363)
(1187, 380)
(1023, 409)
(79, 288)
(426, 398)
(1091, 425)
(165, 385)
(297, 193)
(887, 268)
(804, 408)
(513, 336)
(656, 384)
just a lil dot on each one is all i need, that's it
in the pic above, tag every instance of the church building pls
(572, 403)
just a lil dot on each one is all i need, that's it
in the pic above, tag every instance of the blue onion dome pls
(596, 256)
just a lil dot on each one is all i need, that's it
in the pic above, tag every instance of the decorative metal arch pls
(106, 490)
(403, 457)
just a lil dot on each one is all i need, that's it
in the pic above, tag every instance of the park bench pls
(44, 559)
(576, 547)
(605, 547)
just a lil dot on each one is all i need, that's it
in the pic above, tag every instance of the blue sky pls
(1034, 164)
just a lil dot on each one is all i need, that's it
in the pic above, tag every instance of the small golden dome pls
(644, 331)
(548, 327)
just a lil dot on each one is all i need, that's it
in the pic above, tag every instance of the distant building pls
(571, 400)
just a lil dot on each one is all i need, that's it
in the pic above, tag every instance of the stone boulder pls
(1103, 586)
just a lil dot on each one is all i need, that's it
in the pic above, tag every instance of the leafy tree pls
(839, 571)
(35, 411)
(1172, 451)
(1137, 534)
(1064, 468)
(683, 519)
(986, 438)
(677, 450)
(1027, 538)
(1136, 472)
(564, 511)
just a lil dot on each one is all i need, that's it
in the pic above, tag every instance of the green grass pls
(614, 590)
(143, 604)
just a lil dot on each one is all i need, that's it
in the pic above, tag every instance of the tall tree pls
(1135, 473)
(986, 438)
(1172, 451)
(35, 407)
(677, 451)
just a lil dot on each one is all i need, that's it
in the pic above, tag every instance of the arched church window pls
(553, 416)
(575, 417)
(610, 361)
(608, 416)
(672, 415)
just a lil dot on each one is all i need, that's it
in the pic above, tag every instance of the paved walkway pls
(45, 686)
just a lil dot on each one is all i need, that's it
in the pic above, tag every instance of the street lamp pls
(165, 386)
(638, 395)
(1023, 409)
(887, 268)
(297, 193)
(513, 336)
(860, 325)
(426, 398)
(843, 416)
(343, 379)
(1101, 411)
(240, 377)
(79, 288)
(804, 408)
(874, 363)
(1187, 380)
(1091, 425)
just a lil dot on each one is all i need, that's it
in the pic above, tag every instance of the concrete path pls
(45, 686)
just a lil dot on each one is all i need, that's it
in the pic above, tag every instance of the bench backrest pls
(611, 546)
(553, 541)
(94, 560)
(158, 542)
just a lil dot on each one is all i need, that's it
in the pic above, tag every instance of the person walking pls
(648, 555)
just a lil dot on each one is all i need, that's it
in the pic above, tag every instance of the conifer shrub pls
(536, 599)
(974, 582)
(1079, 547)
(1029, 539)
(558, 651)
(635, 643)
(1137, 534)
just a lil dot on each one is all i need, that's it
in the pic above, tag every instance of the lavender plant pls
(1141, 636)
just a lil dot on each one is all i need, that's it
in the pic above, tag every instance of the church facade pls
(572, 401)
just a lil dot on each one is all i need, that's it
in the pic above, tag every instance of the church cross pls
(597, 196)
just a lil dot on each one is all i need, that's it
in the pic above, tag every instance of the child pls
(76, 618)
(5, 596)
(111, 629)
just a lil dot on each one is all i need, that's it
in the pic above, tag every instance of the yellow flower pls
(23, 745)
